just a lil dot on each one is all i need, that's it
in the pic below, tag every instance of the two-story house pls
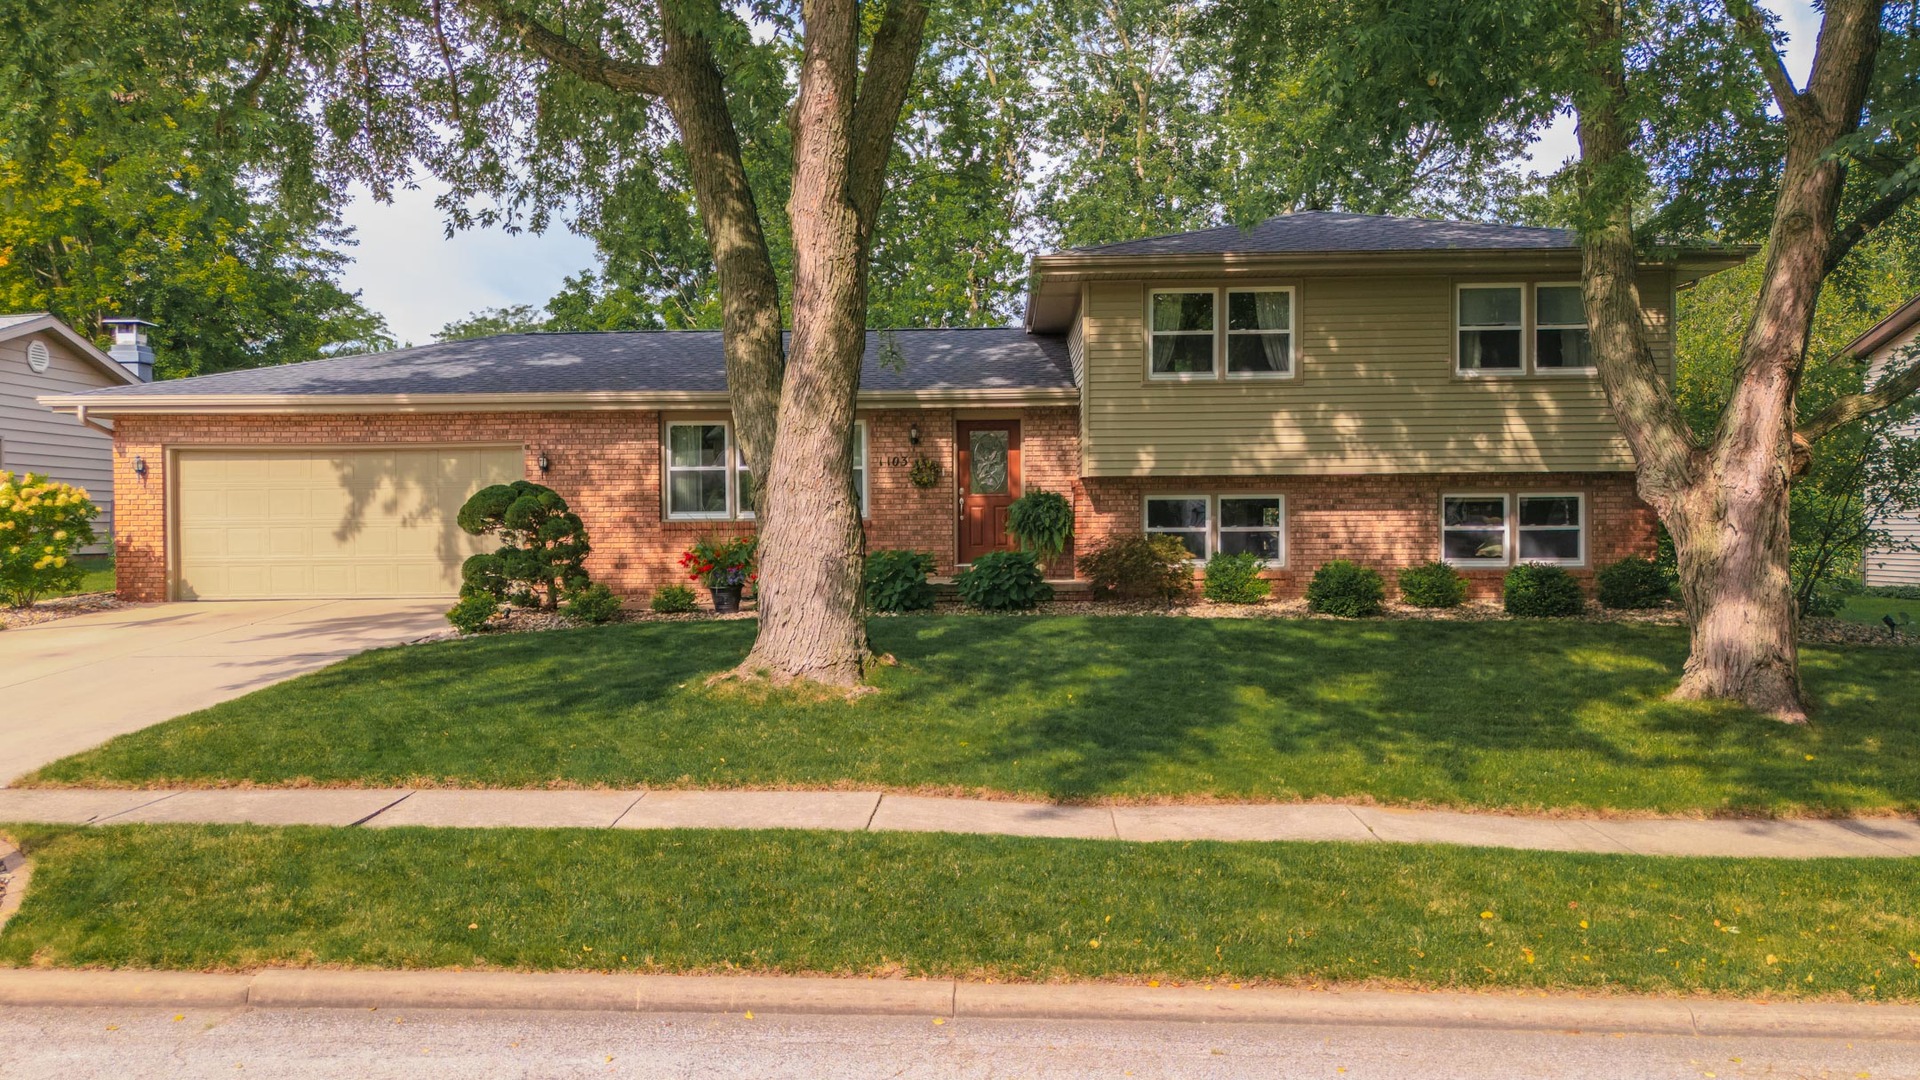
(1324, 385)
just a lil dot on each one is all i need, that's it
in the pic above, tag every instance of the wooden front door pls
(989, 475)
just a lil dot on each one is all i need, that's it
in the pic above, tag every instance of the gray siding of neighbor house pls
(1899, 563)
(33, 438)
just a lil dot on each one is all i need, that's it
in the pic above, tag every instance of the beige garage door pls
(329, 523)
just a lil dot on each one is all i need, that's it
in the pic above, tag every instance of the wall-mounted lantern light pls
(913, 434)
(140, 466)
(544, 463)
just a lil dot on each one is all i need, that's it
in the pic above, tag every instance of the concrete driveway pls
(75, 683)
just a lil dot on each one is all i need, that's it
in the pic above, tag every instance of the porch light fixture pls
(913, 434)
(140, 466)
(544, 463)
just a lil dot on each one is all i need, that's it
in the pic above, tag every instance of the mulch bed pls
(60, 607)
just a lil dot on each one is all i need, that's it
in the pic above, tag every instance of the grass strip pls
(213, 897)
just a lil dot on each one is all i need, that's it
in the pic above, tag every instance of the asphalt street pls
(132, 1044)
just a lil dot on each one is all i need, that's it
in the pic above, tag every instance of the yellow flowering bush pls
(42, 523)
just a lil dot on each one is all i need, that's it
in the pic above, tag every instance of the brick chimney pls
(130, 346)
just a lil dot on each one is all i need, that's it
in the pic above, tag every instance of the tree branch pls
(1891, 391)
(1869, 219)
(586, 62)
(1753, 34)
(891, 59)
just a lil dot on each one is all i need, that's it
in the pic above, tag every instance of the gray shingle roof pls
(1326, 231)
(24, 317)
(683, 360)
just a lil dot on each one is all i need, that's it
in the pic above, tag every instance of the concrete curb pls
(282, 988)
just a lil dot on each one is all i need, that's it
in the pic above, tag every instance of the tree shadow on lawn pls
(1524, 714)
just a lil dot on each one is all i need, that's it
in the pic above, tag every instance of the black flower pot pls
(726, 600)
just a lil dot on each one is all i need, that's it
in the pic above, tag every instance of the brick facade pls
(608, 465)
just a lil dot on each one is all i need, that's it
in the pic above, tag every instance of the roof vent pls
(130, 346)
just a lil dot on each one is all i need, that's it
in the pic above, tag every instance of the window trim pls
(1273, 496)
(1580, 498)
(1525, 327)
(1506, 529)
(1171, 496)
(1533, 336)
(726, 468)
(865, 506)
(1227, 332)
(1213, 337)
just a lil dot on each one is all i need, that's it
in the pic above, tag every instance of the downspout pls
(80, 412)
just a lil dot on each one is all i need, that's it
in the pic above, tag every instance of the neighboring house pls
(1892, 340)
(40, 356)
(1322, 386)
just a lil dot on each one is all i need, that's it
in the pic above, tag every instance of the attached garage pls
(318, 522)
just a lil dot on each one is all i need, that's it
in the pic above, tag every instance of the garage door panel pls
(329, 523)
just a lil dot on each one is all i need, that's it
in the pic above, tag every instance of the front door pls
(989, 482)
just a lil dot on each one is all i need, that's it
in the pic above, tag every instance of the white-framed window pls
(1473, 529)
(1252, 523)
(702, 486)
(1231, 522)
(1551, 528)
(1181, 325)
(1260, 333)
(700, 470)
(1560, 340)
(1490, 329)
(1185, 516)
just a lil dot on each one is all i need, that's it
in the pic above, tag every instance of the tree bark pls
(1725, 504)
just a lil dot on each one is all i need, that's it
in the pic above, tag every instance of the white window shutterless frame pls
(1490, 329)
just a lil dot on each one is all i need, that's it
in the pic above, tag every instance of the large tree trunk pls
(1725, 503)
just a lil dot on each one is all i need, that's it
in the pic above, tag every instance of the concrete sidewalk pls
(877, 812)
(75, 683)
(1212, 1003)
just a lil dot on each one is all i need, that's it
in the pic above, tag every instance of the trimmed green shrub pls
(1042, 521)
(1346, 589)
(1631, 584)
(543, 545)
(897, 580)
(1140, 567)
(1433, 585)
(673, 600)
(471, 613)
(1003, 581)
(1235, 579)
(594, 604)
(1896, 592)
(43, 523)
(1542, 592)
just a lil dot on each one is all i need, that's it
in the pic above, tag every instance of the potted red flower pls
(724, 566)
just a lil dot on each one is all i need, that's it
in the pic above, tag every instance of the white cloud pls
(406, 267)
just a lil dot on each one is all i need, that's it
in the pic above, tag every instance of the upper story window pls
(1188, 337)
(1560, 329)
(1517, 329)
(708, 477)
(1491, 328)
(1183, 332)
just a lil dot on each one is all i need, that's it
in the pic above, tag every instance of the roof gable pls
(36, 322)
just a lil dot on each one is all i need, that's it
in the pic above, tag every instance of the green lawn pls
(99, 576)
(1523, 715)
(1870, 609)
(205, 897)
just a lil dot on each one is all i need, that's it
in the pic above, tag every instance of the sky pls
(406, 268)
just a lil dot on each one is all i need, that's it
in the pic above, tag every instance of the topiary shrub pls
(1152, 566)
(1042, 521)
(594, 604)
(1235, 578)
(897, 580)
(673, 600)
(1542, 592)
(543, 545)
(1346, 589)
(1003, 581)
(42, 524)
(471, 613)
(1433, 585)
(1632, 584)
